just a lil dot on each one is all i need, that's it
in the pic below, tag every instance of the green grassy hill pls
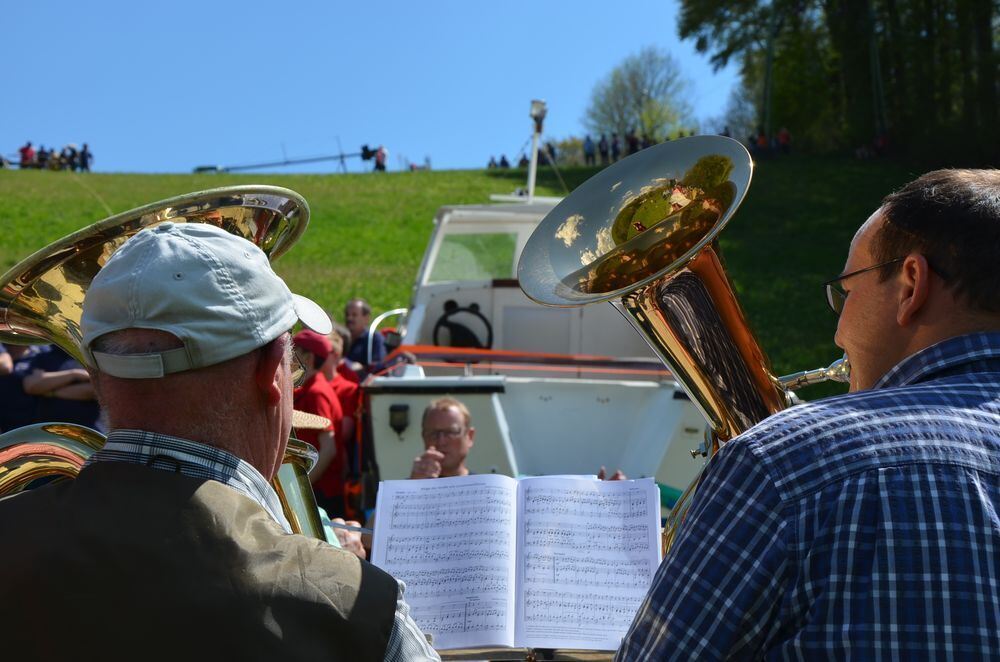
(368, 232)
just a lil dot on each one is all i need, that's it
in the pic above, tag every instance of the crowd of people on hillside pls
(604, 150)
(68, 158)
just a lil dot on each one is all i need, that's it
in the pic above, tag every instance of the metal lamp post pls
(537, 113)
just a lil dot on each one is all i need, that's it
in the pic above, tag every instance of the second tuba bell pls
(643, 235)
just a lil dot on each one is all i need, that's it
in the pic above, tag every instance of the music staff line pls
(468, 616)
(585, 503)
(603, 574)
(627, 537)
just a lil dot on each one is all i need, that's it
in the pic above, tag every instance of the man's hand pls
(349, 540)
(428, 465)
(618, 475)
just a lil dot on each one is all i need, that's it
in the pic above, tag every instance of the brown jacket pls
(133, 563)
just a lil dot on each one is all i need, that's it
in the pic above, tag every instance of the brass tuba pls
(642, 234)
(41, 301)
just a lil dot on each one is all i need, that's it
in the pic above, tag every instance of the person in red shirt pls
(27, 156)
(342, 368)
(316, 396)
(347, 391)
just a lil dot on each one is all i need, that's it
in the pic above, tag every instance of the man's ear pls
(268, 372)
(472, 436)
(914, 279)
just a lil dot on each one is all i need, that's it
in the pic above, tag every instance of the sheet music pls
(452, 541)
(587, 554)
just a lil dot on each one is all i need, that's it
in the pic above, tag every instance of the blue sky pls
(165, 86)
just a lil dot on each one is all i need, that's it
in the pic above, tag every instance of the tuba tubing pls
(41, 301)
(643, 235)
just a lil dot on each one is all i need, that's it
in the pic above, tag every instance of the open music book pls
(546, 562)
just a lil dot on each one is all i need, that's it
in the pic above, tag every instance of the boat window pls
(475, 257)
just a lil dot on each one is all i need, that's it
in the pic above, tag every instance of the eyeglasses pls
(447, 433)
(298, 371)
(836, 296)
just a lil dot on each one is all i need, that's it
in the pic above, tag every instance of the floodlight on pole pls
(538, 110)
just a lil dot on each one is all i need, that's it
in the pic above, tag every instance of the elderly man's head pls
(920, 270)
(186, 331)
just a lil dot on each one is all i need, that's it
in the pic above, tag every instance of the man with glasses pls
(448, 437)
(865, 525)
(171, 543)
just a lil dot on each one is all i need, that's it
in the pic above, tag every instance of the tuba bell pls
(643, 235)
(41, 301)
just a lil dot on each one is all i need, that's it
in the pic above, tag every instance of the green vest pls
(131, 563)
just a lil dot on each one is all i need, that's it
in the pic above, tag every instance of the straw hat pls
(306, 421)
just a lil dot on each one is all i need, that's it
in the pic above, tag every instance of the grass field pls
(368, 232)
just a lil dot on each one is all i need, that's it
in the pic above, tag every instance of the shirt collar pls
(166, 453)
(947, 354)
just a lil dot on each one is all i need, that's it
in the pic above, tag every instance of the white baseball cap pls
(214, 291)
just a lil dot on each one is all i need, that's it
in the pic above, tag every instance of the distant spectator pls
(726, 133)
(348, 395)
(762, 145)
(632, 142)
(381, 154)
(358, 315)
(6, 362)
(43, 157)
(64, 389)
(881, 143)
(784, 140)
(523, 161)
(18, 408)
(27, 156)
(492, 163)
(316, 396)
(589, 151)
(504, 163)
(343, 366)
(616, 147)
(602, 148)
(68, 157)
(84, 158)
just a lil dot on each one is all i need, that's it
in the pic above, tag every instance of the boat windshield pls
(480, 256)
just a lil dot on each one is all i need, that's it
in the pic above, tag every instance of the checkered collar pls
(166, 453)
(945, 355)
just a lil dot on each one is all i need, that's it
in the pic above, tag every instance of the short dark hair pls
(951, 217)
(365, 307)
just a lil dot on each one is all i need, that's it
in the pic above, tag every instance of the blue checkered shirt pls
(862, 526)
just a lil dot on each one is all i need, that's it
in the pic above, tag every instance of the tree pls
(843, 74)
(645, 92)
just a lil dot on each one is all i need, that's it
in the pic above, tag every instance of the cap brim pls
(312, 315)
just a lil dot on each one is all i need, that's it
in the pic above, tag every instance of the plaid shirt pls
(864, 525)
(159, 451)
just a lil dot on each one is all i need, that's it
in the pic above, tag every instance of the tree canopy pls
(644, 93)
(921, 77)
